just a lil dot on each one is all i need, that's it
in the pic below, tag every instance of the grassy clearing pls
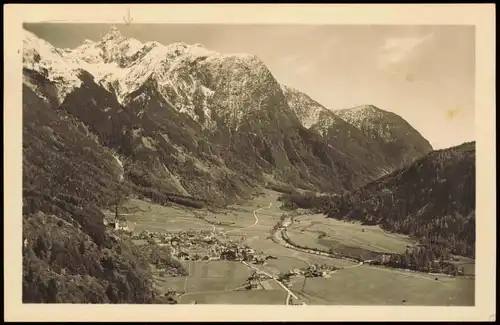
(263, 201)
(212, 282)
(321, 232)
(269, 285)
(205, 278)
(272, 297)
(467, 263)
(371, 286)
(312, 259)
(242, 215)
(284, 264)
(226, 217)
(217, 269)
(165, 223)
(164, 284)
(143, 215)
(294, 259)
(305, 238)
(216, 275)
(153, 217)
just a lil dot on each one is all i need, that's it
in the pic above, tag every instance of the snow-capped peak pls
(113, 34)
(123, 65)
(308, 111)
(377, 123)
(366, 107)
(359, 114)
(56, 65)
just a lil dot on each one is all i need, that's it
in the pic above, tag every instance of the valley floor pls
(352, 283)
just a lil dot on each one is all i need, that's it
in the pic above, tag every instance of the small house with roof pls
(230, 255)
(183, 255)
(122, 225)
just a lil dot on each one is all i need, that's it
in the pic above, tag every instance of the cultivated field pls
(284, 264)
(220, 282)
(317, 231)
(287, 256)
(165, 284)
(272, 297)
(214, 282)
(367, 285)
(215, 275)
(468, 264)
(154, 217)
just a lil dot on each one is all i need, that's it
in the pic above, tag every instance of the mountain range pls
(185, 120)
(172, 123)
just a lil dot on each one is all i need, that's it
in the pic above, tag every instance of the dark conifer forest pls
(432, 200)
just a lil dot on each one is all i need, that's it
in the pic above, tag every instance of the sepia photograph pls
(248, 163)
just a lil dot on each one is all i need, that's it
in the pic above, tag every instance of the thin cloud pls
(305, 68)
(397, 50)
(329, 43)
(298, 64)
(325, 50)
(291, 59)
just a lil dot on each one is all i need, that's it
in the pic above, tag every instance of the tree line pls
(432, 200)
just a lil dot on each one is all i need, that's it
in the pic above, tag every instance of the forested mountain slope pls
(433, 199)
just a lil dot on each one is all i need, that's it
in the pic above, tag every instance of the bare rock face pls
(400, 142)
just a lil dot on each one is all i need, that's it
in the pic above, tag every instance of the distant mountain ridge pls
(381, 141)
(396, 136)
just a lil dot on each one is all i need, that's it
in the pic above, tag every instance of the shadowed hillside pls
(433, 200)
(68, 254)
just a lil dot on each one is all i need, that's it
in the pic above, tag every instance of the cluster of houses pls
(203, 245)
(117, 224)
(312, 271)
(320, 270)
(382, 259)
(235, 252)
(116, 221)
(256, 280)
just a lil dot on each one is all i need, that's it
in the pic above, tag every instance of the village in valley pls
(213, 245)
(196, 245)
(193, 245)
(189, 247)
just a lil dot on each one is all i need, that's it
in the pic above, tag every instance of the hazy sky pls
(423, 73)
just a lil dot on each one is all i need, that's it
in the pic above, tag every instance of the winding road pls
(187, 276)
(290, 293)
(252, 225)
(278, 236)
